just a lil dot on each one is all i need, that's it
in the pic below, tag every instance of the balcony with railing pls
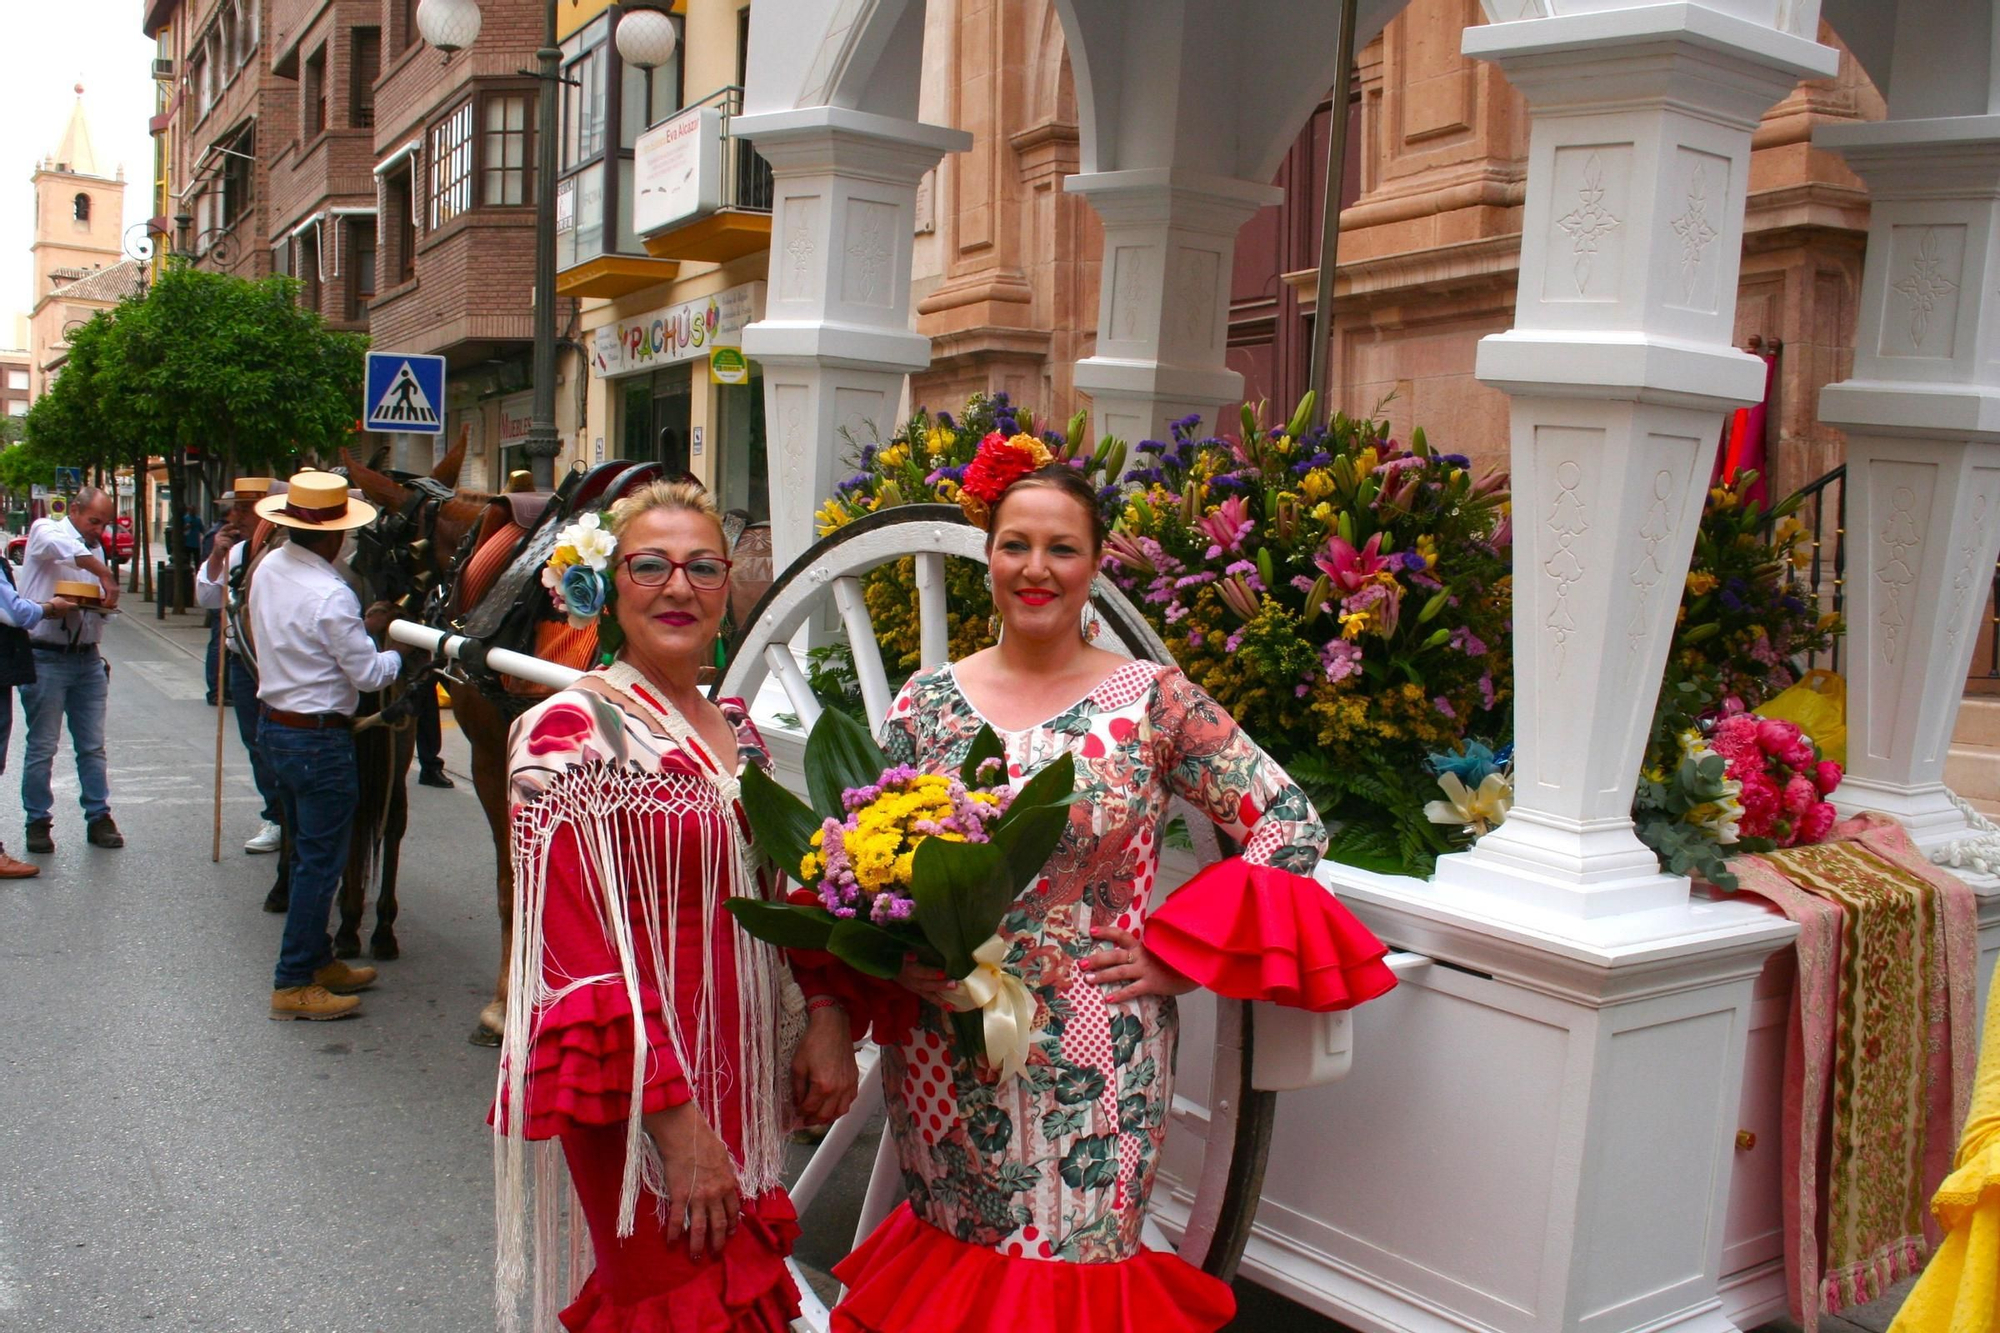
(707, 192)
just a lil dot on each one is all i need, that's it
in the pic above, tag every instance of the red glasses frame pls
(680, 566)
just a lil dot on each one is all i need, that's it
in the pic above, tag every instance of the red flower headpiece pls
(999, 463)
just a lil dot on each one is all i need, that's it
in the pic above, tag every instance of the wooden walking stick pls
(221, 708)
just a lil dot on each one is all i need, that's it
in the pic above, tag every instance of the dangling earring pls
(993, 625)
(1091, 625)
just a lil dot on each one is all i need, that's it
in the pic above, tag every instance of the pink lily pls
(1349, 568)
(1227, 526)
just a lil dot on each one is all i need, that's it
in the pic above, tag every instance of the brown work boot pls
(341, 979)
(12, 869)
(315, 1002)
(102, 832)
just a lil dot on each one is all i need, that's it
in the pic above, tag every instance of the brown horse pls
(497, 523)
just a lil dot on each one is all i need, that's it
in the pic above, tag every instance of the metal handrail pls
(1826, 571)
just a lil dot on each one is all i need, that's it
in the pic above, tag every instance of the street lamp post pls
(452, 25)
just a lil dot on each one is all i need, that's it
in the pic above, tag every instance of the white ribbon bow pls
(1009, 1010)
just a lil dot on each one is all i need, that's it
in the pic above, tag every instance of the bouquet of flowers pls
(1345, 596)
(1710, 785)
(578, 572)
(901, 862)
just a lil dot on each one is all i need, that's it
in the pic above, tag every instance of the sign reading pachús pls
(677, 332)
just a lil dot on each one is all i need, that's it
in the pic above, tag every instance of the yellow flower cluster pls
(563, 557)
(881, 849)
(1700, 583)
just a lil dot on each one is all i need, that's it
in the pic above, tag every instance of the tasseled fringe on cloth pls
(621, 818)
(1867, 1281)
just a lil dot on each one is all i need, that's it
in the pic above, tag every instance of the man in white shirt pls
(72, 680)
(211, 586)
(314, 657)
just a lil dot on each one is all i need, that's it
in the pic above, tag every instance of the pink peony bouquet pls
(1783, 781)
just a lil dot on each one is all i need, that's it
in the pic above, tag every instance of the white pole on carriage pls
(541, 672)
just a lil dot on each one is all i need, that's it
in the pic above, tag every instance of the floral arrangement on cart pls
(1347, 596)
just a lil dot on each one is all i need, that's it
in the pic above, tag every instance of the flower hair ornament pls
(578, 572)
(999, 463)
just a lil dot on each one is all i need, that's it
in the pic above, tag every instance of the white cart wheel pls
(1237, 1134)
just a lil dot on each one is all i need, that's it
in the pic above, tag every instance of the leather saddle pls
(504, 618)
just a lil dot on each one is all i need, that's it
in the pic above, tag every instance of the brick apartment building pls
(323, 140)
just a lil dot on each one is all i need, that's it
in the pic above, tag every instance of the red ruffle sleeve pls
(580, 1063)
(580, 1054)
(1254, 932)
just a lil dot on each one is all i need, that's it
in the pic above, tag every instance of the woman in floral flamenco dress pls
(1027, 1194)
(627, 836)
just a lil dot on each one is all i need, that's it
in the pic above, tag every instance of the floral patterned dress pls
(1026, 1196)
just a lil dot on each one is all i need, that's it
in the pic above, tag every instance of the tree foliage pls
(203, 360)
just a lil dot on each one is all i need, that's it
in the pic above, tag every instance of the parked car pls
(118, 538)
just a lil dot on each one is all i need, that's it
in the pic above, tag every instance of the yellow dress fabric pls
(1960, 1290)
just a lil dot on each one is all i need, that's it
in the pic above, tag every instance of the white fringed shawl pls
(619, 815)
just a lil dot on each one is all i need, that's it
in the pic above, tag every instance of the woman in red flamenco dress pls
(1027, 1193)
(627, 835)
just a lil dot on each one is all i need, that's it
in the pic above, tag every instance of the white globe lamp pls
(646, 38)
(449, 25)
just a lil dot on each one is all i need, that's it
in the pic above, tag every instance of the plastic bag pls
(1818, 704)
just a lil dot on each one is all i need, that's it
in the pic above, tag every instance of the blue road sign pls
(405, 393)
(69, 479)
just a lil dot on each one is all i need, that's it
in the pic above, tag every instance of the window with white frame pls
(17, 379)
(503, 165)
(450, 185)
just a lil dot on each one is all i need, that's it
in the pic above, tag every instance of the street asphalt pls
(171, 1159)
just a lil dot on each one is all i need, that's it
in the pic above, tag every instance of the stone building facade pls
(1430, 235)
(79, 264)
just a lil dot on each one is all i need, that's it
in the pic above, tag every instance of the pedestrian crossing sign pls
(405, 392)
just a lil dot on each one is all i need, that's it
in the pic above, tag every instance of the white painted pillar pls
(1163, 296)
(1620, 369)
(836, 343)
(1922, 416)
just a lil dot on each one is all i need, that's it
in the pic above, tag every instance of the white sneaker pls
(269, 838)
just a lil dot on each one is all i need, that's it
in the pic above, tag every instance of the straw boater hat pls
(247, 488)
(316, 502)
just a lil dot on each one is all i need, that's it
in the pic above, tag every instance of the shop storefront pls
(679, 392)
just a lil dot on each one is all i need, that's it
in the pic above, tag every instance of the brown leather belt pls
(309, 721)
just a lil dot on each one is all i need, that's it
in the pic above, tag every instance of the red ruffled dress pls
(1027, 1195)
(594, 786)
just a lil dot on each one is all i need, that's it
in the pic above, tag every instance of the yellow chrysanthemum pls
(1700, 582)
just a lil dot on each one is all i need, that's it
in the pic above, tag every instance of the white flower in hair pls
(594, 545)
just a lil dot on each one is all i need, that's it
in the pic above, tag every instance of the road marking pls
(169, 679)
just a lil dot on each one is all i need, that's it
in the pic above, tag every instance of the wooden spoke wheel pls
(1236, 1128)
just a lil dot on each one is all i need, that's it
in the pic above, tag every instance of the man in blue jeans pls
(211, 588)
(72, 680)
(315, 654)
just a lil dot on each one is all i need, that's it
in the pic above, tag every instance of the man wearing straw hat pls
(211, 586)
(314, 657)
(72, 682)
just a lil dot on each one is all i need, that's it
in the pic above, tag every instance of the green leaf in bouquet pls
(781, 825)
(840, 754)
(787, 925)
(866, 948)
(986, 745)
(962, 889)
(1034, 823)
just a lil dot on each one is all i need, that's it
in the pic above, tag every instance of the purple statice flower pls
(1196, 638)
(1108, 495)
(868, 452)
(1248, 569)
(1303, 582)
(1341, 658)
(1443, 705)
(1486, 694)
(1185, 428)
(1232, 643)
(1467, 642)
(855, 797)
(1396, 467)
(1730, 601)
(1146, 476)
(1412, 562)
(1151, 447)
(1176, 613)
(854, 483)
(1195, 580)
(945, 422)
(890, 907)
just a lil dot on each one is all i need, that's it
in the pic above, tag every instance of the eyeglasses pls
(705, 573)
